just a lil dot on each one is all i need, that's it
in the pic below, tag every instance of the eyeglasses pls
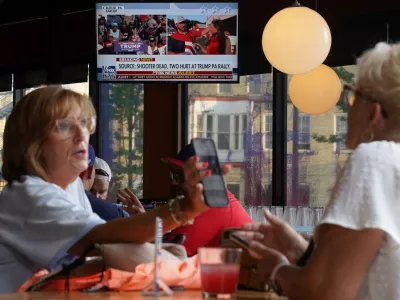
(350, 93)
(66, 127)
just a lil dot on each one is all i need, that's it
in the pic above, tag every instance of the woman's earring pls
(367, 137)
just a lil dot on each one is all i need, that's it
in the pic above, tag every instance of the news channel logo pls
(109, 72)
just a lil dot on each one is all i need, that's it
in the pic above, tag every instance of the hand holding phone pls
(234, 237)
(214, 189)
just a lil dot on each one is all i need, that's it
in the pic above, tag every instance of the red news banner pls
(147, 68)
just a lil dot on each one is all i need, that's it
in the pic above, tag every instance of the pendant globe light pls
(315, 92)
(296, 40)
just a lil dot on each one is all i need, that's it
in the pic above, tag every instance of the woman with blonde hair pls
(45, 217)
(357, 243)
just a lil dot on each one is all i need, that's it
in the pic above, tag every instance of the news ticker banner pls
(165, 68)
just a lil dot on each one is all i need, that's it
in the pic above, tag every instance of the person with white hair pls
(357, 243)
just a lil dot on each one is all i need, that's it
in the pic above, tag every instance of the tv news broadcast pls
(180, 42)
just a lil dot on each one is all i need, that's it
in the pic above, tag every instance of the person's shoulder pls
(379, 152)
(33, 185)
(231, 197)
(32, 190)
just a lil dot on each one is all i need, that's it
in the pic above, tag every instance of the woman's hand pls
(132, 202)
(195, 172)
(277, 235)
(268, 259)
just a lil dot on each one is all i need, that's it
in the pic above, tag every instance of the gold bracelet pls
(176, 213)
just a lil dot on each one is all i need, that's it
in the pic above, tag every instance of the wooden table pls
(186, 295)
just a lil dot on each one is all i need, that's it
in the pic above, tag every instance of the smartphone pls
(239, 241)
(214, 189)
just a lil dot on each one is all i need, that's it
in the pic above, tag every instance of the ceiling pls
(258, 11)
(355, 24)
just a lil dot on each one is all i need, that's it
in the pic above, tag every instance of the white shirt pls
(367, 195)
(39, 222)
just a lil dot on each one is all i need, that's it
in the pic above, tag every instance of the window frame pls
(237, 184)
(265, 132)
(299, 143)
(249, 85)
(335, 127)
(222, 91)
(214, 133)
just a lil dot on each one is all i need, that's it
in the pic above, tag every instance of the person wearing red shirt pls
(208, 227)
(185, 35)
(219, 43)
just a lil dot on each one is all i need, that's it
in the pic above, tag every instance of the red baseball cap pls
(186, 152)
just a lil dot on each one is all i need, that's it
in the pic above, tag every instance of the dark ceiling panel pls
(355, 25)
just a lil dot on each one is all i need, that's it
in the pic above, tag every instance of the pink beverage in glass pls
(219, 269)
(219, 278)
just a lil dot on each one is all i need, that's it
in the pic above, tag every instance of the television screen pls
(181, 42)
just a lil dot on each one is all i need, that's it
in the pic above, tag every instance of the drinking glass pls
(253, 212)
(219, 271)
(260, 217)
(289, 215)
(305, 216)
(319, 213)
(277, 211)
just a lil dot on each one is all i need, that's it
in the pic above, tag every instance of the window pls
(6, 106)
(223, 132)
(121, 138)
(210, 126)
(229, 131)
(304, 132)
(311, 174)
(234, 118)
(303, 196)
(268, 131)
(234, 188)
(239, 131)
(244, 132)
(199, 125)
(255, 86)
(224, 88)
(341, 131)
(267, 193)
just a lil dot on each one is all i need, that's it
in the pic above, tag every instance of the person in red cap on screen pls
(207, 227)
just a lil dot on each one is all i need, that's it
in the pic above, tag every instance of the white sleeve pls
(53, 227)
(368, 191)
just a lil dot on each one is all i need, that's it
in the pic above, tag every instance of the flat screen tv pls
(162, 42)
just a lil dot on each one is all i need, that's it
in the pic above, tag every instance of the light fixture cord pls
(387, 33)
(316, 5)
(296, 4)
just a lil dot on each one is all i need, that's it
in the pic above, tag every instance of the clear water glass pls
(260, 214)
(319, 213)
(277, 211)
(289, 215)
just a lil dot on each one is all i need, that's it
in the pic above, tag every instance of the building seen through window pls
(239, 119)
